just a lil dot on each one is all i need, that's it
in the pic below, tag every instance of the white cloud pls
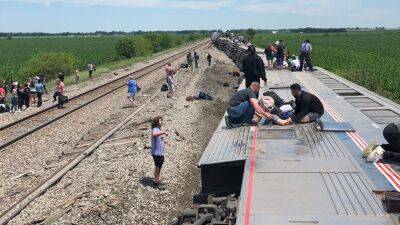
(302, 7)
(141, 3)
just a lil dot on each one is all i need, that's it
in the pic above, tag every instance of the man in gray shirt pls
(243, 105)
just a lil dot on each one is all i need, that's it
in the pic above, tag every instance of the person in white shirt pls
(305, 54)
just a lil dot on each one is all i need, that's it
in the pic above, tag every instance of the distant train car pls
(214, 36)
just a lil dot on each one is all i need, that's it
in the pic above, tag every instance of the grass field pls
(98, 50)
(370, 59)
(14, 53)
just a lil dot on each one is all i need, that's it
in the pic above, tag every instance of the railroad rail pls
(13, 132)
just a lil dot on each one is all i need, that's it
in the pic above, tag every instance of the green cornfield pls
(370, 59)
(16, 52)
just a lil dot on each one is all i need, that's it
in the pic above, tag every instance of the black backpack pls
(164, 87)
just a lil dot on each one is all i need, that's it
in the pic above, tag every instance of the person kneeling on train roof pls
(243, 105)
(308, 107)
(253, 67)
(390, 151)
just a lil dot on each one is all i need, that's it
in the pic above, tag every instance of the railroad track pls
(15, 131)
(119, 123)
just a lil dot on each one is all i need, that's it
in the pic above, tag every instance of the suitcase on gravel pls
(63, 99)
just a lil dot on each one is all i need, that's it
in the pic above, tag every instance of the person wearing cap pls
(308, 107)
(253, 67)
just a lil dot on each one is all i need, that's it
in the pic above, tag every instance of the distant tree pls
(49, 64)
(250, 33)
(128, 47)
(9, 37)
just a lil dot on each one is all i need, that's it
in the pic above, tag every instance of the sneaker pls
(375, 155)
(228, 122)
(370, 148)
(159, 186)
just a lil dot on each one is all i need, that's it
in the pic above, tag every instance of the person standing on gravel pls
(169, 70)
(196, 59)
(2, 98)
(189, 60)
(91, 68)
(39, 92)
(209, 59)
(59, 92)
(133, 87)
(253, 67)
(77, 75)
(158, 149)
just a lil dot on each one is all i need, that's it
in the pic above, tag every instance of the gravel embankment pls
(31, 155)
(112, 185)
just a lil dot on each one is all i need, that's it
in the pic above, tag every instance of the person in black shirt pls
(280, 55)
(61, 76)
(243, 105)
(253, 67)
(209, 59)
(308, 107)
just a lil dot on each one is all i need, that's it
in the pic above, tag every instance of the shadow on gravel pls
(147, 181)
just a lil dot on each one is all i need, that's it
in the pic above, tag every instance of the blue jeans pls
(242, 113)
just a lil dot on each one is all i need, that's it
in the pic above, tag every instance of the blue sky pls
(131, 15)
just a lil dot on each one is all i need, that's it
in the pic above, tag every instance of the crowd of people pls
(245, 105)
(247, 108)
(278, 57)
(15, 96)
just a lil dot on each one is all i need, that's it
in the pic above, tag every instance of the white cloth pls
(295, 63)
(286, 108)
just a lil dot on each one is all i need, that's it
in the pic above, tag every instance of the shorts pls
(158, 160)
(132, 95)
(313, 116)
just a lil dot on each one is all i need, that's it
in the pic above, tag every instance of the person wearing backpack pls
(305, 54)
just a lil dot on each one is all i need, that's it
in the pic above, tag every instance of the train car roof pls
(298, 175)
